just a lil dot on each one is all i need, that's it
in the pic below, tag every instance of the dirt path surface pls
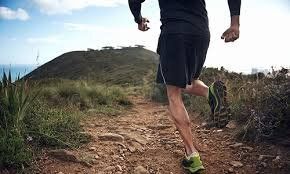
(144, 140)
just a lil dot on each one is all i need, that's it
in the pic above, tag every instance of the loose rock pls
(92, 148)
(277, 160)
(261, 157)
(248, 148)
(232, 125)
(119, 168)
(160, 127)
(236, 145)
(111, 137)
(63, 155)
(109, 168)
(140, 170)
(138, 138)
(231, 170)
(264, 164)
(236, 164)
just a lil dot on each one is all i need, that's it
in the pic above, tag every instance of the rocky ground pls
(144, 141)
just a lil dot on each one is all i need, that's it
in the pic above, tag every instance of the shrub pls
(84, 95)
(15, 98)
(14, 153)
(159, 93)
(51, 127)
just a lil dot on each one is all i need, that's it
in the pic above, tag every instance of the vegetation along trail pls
(84, 117)
(144, 140)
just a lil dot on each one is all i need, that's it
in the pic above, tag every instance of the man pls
(182, 47)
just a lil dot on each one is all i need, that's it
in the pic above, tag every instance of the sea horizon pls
(16, 70)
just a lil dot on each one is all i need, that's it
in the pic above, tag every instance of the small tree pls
(107, 48)
(139, 46)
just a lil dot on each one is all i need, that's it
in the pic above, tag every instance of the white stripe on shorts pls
(162, 73)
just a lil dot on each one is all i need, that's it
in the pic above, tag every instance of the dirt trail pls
(151, 141)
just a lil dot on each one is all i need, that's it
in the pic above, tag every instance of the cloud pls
(83, 27)
(9, 14)
(43, 40)
(51, 7)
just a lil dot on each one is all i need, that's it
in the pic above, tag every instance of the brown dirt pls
(160, 148)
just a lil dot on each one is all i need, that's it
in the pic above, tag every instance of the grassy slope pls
(117, 66)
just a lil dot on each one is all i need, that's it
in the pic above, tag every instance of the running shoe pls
(193, 164)
(217, 97)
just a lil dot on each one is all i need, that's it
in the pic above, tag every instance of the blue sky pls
(53, 27)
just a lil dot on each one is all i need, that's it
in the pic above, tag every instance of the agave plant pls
(14, 100)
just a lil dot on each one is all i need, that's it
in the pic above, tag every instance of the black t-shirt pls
(183, 16)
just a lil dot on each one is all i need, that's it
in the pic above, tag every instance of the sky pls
(36, 31)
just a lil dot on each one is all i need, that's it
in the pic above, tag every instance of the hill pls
(111, 66)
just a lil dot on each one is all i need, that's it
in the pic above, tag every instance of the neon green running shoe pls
(193, 164)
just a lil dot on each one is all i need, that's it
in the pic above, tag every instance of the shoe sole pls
(221, 112)
(198, 170)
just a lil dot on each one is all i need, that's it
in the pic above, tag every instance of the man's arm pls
(233, 32)
(235, 7)
(135, 7)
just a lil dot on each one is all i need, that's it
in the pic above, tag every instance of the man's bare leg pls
(197, 88)
(180, 118)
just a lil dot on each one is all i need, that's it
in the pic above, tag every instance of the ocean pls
(16, 70)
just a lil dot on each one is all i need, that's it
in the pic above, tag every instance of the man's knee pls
(174, 95)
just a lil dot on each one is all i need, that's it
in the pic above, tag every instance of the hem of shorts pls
(178, 85)
(172, 84)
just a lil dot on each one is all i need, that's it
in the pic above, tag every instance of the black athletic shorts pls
(182, 58)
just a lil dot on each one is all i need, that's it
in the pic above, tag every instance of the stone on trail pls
(232, 124)
(92, 148)
(231, 170)
(110, 169)
(236, 164)
(119, 168)
(63, 155)
(236, 145)
(264, 164)
(111, 137)
(133, 146)
(159, 127)
(277, 160)
(138, 138)
(247, 148)
(140, 170)
(261, 157)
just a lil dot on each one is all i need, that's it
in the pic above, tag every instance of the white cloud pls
(43, 40)
(9, 14)
(67, 6)
(83, 27)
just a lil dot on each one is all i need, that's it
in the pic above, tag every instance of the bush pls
(159, 93)
(84, 95)
(51, 127)
(14, 153)
(267, 113)
(15, 98)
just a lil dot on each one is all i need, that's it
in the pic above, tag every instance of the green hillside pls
(111, 66)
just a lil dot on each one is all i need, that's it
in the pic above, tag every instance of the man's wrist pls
(235, 20)
(138, 20)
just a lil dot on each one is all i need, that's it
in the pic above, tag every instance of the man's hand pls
(143, 26)
(233, 33)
